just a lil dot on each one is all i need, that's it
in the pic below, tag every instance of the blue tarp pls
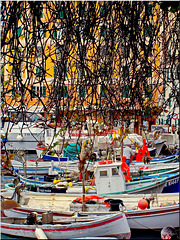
(72, 150)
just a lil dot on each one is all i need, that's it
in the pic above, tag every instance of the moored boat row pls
(149, 182)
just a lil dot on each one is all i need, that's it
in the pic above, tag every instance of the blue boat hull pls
(52, 158)
(172, 184)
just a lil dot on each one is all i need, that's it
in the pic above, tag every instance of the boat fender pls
(70, 184)
(87, 188)
(19, 138)
(40, 234)
(143, 204)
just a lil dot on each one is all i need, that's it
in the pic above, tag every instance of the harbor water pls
(135, 235)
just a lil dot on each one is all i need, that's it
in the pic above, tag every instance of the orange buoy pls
(143, 204)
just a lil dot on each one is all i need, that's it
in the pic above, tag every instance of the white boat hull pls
(22, 136)
(154, 219)
(107, 226)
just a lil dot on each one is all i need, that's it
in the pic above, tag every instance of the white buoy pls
(40, 234)
(19, 138)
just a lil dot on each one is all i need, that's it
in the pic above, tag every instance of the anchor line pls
(144, 225)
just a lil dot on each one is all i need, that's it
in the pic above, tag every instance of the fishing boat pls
(172, 182)
(109, 179)
(47, 179)
(23, 135)
(172, 158)
(41, 167)
(10, 208)
(43, 188)
(85, 132)
(70, 152)
(162, 157)
(154, 146)
(141, 216)
(114, 225)
(155, 218)
(61, 201)
(171, 185)
(149, 169)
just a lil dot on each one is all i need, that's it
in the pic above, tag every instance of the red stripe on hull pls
(67, 229)
(41, 212)
(152, 213)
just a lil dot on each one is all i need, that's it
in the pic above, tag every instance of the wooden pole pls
(121, 141)
(82, 172)
(83, 189)
(24, 167)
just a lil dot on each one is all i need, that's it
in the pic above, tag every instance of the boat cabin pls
(109, 178)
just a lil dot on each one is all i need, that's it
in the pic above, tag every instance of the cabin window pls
(103, 173)
(114, 172)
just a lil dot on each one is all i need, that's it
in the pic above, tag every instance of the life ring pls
(175, 116)
(105, 162)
